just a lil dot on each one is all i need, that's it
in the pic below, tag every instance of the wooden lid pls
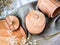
(13, 22)
(34, 21)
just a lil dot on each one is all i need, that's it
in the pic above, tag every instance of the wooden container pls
(16, 37)
(49, 7)
(35, 22)
(9, 25)
(11, 31)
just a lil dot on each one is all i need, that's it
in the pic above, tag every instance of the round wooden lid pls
(13, 22)
(35, 22)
